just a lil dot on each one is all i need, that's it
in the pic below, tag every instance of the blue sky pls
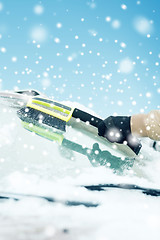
(103, 54)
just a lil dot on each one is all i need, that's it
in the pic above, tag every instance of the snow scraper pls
(52, 114)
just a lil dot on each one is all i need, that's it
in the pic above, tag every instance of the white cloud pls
(126, 65)
(142, 25)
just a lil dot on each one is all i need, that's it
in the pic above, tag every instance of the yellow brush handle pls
(49, 108)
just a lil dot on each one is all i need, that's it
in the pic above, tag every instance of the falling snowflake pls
(93, 32)
(57, 40)
(38, 9)
(126, 66)
(3, 50)
(123, 45)
(14, 59)
(123, 6)
(116, 24)
(142, 25)
(108, 19)
(148, 94)
(59, 25)
(39, 34)
(1, 6)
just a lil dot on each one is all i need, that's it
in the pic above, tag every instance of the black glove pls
(118, 130)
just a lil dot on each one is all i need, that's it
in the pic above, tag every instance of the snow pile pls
(32, 165)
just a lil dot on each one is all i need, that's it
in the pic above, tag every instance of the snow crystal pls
(126, 65)
(38, 9)
(142, 25)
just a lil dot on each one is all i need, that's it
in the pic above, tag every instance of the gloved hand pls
(115, 129)
(118, 130)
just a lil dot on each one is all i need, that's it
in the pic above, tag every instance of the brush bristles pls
(36, 117)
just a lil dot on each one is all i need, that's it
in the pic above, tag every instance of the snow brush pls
(52, 114)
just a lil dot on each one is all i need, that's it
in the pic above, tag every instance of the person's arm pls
(146, 125)
(126, 130)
